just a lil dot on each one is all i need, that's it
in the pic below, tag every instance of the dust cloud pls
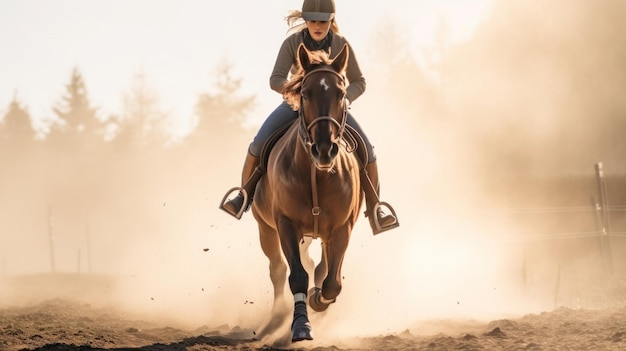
(515, 121)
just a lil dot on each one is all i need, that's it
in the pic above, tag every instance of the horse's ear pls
(303, 56)
(340, 63)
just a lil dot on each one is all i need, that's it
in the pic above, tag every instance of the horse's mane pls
(292, 88)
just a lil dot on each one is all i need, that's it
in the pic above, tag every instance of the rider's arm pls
(284, 62)
(356, 80)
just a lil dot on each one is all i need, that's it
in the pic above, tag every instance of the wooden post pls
(88, 239)
(557, 287)
(51, 238)
(605, 219)
(78, 263)
(597, 210)
(525, 269)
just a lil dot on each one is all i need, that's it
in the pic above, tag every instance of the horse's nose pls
(325, 153)
(334, 150)
(315, 152)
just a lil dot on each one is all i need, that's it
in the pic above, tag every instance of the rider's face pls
(318, 29)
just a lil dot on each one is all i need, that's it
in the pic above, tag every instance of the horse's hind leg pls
(321, 270)
(333, 253)
(315, 293)
(270, 245)
(305, 257)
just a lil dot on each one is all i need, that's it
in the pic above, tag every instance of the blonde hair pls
(293, 87)
(296, 23)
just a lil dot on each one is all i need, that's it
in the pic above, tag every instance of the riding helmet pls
(318, 10)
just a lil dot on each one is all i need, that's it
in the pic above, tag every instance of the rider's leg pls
(281, 116)
(385, 221)
(371, 186)
(251, 174)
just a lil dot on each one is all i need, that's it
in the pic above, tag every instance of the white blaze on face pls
(323, 83)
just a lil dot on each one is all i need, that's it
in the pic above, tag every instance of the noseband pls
(305, 130)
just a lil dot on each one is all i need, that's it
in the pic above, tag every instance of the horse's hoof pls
(301, 332)
(315, 302)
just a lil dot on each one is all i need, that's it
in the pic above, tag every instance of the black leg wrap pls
(300, 328)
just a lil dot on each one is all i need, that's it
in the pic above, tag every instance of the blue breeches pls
(284, 114)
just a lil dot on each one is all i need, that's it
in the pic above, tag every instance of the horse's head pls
(320, 97)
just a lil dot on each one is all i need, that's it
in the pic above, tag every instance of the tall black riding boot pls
(250, 175)
(379, 220)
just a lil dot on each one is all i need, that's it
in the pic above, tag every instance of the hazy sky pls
(177, 44)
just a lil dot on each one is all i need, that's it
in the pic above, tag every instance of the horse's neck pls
(290, 151)
(301, 156)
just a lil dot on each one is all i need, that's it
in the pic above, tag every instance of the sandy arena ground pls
(65, 325)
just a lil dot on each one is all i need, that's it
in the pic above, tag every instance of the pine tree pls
(143, 122)
(77, 122)
(221, 114)
(16, 127)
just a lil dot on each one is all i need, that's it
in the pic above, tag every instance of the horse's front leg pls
(290, 240)
(333, 252)
(270, 245)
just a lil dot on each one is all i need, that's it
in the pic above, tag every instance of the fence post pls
(605, 224)
(51, 238)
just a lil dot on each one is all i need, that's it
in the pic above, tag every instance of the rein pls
(306, 140)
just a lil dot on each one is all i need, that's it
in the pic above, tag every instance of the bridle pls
(307, 142)
(305, 129)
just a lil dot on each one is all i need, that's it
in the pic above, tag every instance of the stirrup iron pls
(378, 228)
(244, 206)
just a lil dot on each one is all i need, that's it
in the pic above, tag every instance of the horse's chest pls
(327, 185)
(332, 193)
(296, 191)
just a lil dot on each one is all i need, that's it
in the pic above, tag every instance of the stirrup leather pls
(244, 206)
(377, 229)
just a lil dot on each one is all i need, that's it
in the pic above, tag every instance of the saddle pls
(351, 137)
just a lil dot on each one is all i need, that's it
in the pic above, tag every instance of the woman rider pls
(320, 32)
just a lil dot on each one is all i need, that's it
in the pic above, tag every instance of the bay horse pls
(311, 189)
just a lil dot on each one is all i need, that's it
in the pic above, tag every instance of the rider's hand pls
(347, 102)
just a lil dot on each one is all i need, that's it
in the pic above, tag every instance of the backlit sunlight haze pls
(478, 111)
